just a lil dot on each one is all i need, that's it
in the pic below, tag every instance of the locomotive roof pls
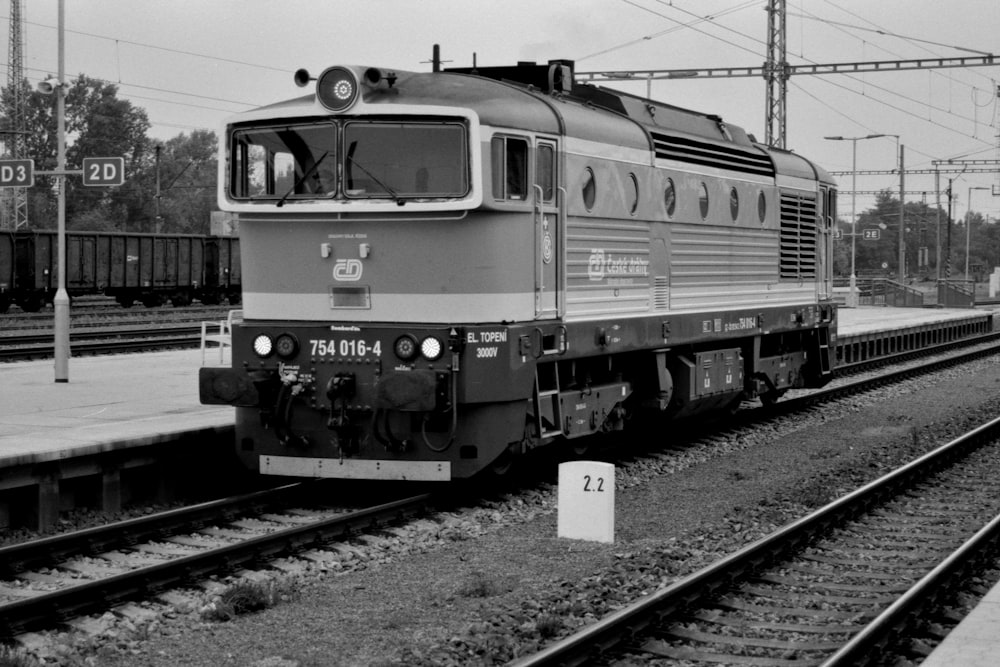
(521, 97)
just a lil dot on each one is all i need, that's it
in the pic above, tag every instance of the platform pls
(975, 642)
(871, 332)
(876, 319)
(109, 402)
(114, 430)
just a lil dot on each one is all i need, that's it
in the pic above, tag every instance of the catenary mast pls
(15, 200)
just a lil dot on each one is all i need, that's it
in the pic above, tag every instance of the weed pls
(247, 597)
(548, 625)
(12, 657)
(477, 585)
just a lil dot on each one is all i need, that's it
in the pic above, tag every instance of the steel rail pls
(903, 610)
(798, 403)
(40, 610)
(110, 333)
(621, 626)
(16, 558)
(103, 347)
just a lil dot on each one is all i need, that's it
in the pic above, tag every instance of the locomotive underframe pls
(501, 389)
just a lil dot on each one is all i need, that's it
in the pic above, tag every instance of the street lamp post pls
(60, 303)
(852, 295)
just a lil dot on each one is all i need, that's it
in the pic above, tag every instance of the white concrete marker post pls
(587, 501)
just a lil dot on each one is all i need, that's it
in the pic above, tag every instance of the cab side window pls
(545, 172)
(510, 168)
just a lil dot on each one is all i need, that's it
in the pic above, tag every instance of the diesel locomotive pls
(445, 270)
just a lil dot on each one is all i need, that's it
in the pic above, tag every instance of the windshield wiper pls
(392, 193)
(295, 186)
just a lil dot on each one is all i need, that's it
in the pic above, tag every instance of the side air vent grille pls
(692, 151)
(798, 237)
(661, 293)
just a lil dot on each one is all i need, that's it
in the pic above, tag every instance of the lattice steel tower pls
(776, 75)
(15, 200)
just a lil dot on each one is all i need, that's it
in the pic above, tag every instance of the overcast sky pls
(191, 63)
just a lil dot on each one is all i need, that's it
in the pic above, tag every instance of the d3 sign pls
(103, 171)
(17, 173)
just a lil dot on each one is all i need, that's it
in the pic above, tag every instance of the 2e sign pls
(17, 173)
(103, 171)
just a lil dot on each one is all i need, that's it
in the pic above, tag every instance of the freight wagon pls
(150, 268)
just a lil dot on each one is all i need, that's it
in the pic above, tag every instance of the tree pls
(187, 171)
(98, 124)
(920, 222)
(103, 126)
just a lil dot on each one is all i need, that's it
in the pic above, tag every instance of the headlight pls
(263, 346)
(431, 348)
(337, 88)
(405, 347)
(286, 345)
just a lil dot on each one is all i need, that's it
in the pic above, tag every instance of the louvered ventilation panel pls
(798, 237)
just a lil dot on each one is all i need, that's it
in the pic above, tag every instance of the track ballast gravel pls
(484, 585)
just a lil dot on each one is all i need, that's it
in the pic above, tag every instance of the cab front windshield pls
(351, 159)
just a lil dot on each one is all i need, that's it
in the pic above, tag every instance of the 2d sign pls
(103, 171)
(17, 173)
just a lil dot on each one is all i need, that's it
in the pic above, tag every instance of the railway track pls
(184, 551)
(64, 576)
(82, 313)
(104, 341)
(830, 589)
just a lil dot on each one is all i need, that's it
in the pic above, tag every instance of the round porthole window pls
(670, 197)
(703, 200)
(761, 207)
(589, 189)
(734, 203)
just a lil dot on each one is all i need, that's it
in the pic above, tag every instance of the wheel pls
(151, 300)
(771, 397)
(180, 299)
(32, 304)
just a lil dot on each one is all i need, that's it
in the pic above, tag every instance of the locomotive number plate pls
(345, 347)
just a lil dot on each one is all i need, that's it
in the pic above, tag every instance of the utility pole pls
(158, 195)
(902, 216)
(937, 210)
(947, 240)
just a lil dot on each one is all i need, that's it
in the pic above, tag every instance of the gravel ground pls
(479, 586)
